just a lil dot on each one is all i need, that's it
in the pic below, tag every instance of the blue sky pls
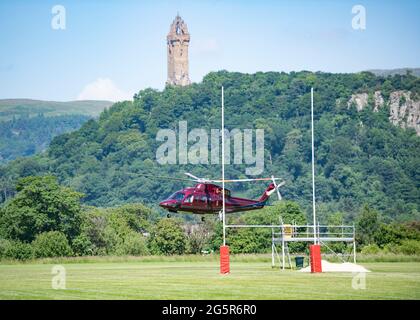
(112, 49)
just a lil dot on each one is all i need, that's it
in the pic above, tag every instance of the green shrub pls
(15, 250)
(394, 233)
(4, 245)
(82, 246)
(51, 244)
(390, 248)
(409, 247)
(371, 249)
(168, 238)
(134, 244)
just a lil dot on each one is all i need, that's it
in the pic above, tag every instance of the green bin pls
(299, 262)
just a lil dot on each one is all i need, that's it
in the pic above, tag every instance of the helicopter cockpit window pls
(189, 199)
(177, 196)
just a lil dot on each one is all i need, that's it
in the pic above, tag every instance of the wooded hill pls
(361, 158)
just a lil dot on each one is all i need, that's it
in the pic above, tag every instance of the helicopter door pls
(204, 202)
(200, 201)
(188, 203)
(193, 203)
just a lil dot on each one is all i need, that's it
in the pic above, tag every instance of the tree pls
(198, 237)
(394, 234)
(291, 212)
(114, 231)
(41, 205)
(336, 219)
(367, 225)
(168, 238)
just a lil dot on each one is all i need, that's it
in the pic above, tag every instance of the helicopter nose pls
(167, 204)
(163, 204)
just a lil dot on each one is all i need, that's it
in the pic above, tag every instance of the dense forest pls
(361, 158)
(25, 136)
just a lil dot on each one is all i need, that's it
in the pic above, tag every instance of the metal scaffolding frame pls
(304, 233)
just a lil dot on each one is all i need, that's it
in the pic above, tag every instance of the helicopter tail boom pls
(267, 193)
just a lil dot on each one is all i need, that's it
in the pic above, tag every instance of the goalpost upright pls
(223, 168)
(315, 249)
(224, 249)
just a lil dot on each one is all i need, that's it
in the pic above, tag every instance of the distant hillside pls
(15, 108)
(26, 136)
(391, 72)
(28, 126)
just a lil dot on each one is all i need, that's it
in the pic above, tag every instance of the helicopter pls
(206, 197)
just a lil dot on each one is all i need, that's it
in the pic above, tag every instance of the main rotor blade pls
(201, 180)
(162, 177)
(197, 179)
(194, 177)
(246, 180)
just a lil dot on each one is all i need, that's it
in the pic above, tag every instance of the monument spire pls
(178, 40)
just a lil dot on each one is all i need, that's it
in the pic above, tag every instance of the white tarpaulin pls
(338, 267)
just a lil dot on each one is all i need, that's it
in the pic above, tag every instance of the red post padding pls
(224, 260)
(315, 254)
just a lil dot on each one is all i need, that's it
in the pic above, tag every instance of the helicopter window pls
(177, 196)
(220, 190)
(189, 199)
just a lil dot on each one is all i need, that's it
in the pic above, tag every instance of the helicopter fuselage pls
(207, 198)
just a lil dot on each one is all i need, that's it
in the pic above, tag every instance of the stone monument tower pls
(178, 40)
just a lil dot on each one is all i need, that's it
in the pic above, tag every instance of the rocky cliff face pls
(403, 110)
(379, 101)
(360, 100)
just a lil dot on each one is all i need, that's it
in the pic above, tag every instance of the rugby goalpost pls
(287, 232)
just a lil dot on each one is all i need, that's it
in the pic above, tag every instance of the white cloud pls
(103, 89)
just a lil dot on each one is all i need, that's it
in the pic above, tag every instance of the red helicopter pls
(206, 197)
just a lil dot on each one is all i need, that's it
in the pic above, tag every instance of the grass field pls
(173, 279)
